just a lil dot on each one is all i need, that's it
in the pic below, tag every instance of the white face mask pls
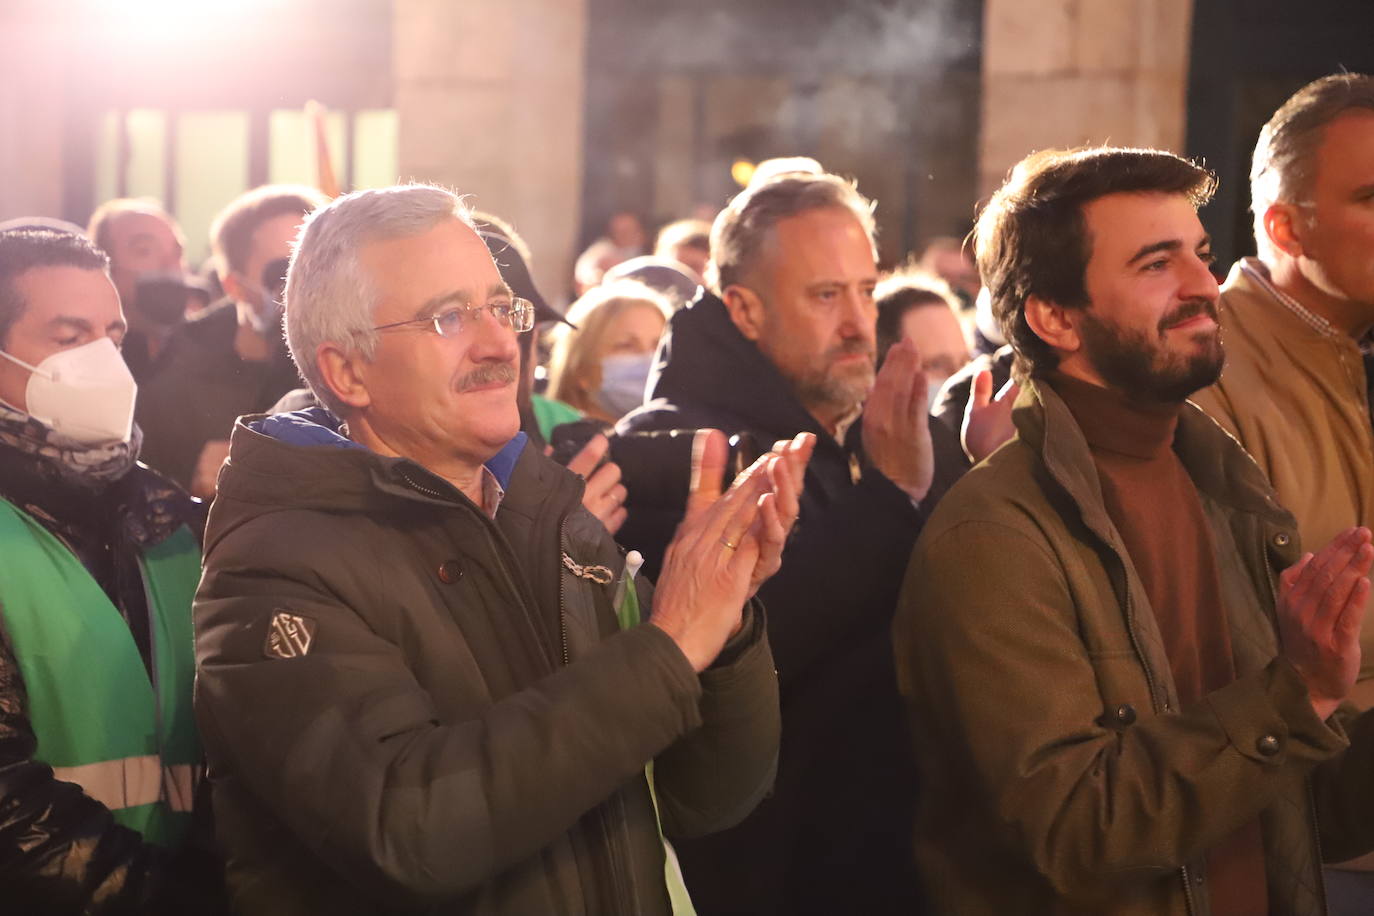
(85, 393)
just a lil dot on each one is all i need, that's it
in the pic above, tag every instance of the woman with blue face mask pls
(600, 364)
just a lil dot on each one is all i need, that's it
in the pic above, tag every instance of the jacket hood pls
(705, 361)
(301, 460)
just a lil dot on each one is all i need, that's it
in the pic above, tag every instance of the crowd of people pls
(1031, 576)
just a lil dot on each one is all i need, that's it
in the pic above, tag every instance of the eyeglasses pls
(516, 313)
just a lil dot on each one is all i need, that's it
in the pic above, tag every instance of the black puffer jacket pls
(835, 835)
(61, 851)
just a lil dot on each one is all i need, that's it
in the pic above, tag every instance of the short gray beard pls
(817, 390)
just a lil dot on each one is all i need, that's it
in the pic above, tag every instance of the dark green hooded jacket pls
(458, 725)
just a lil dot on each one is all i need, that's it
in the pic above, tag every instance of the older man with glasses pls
(424, 683)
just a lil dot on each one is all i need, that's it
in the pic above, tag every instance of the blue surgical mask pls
(624, 376)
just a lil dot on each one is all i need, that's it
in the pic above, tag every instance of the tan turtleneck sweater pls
(1156, 509)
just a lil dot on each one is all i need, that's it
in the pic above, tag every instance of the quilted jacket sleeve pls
(713, 777)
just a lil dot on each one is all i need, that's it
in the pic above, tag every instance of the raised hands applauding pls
(728, 543)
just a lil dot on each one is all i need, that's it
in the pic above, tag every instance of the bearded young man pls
(1123, 671)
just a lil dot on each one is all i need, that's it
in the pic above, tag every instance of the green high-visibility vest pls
(131, 744)
(627, 612)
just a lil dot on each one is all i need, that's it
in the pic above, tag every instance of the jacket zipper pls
(621, 893)
(614, 829)
(1306, 780)
(1188, 891)
(1135, 642)
(427, 491)
(1188, 898)
(1316, 836)
(562, 611)
(501, 563)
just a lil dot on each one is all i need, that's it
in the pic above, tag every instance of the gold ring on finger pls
(724, 541)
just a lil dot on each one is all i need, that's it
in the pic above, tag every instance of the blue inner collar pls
(316, 426)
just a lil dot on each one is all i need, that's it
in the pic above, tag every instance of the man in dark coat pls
(229, 359)
(429, 682)
(785, 343)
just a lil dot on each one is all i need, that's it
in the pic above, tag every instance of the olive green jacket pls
(410, 707)
(1059, 772)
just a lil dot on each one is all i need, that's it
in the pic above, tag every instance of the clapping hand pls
(1321, 608)
(987, 419)
(728, 543)
(896, 430)
(604, 495)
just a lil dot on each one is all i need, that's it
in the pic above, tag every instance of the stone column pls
(32, 91)
(490, 97)
(1060, 73)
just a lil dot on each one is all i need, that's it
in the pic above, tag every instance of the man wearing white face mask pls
(230, 359)
(99, 560)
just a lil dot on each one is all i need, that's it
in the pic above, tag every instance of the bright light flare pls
(742, 170)
(154, 21)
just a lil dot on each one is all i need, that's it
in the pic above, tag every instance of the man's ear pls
(344, 373)
(233, 286)
(1283, 224)
(746, 310)
(1054, 324)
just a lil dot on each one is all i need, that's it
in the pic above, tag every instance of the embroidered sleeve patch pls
(289, 636)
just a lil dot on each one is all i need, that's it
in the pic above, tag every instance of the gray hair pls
(329, 297)
(1284, 164)
(742, 227)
